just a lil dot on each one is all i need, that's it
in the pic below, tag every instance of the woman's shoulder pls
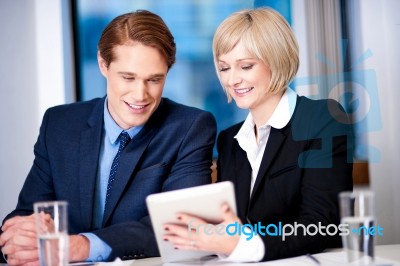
(308, 103)
(322, 108)
(228, 134)
(232, 130)
(324, 116)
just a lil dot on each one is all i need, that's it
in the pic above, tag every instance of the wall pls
(374, 39)
(379, 25)
(33, 77)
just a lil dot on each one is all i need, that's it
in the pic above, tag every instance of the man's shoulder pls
(78, 113)
(174, 107)
(77, 106)
(180, 112)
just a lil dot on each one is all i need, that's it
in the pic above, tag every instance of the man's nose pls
(139, 91)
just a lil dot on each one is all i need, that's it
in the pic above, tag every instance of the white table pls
(386, 255)
(391, 252)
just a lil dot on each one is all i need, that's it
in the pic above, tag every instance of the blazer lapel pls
(130, 157)
(128, 161)
(275, 141)
(90, 143)
(243, 177)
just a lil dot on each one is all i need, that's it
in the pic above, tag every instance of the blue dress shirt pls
(99, 250)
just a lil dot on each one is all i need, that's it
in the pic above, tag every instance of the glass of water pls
(358, 214)
(52, 232)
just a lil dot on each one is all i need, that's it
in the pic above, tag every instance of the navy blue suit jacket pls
(304, 167)
(172, 151)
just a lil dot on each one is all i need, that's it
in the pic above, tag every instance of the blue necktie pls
(123, 141)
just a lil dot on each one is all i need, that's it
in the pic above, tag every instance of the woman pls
(288, 160)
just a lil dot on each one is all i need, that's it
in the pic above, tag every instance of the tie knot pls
(123, 140)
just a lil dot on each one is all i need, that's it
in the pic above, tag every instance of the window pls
(192, 80)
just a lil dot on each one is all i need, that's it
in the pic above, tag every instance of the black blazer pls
(304, 167)
(172, 151)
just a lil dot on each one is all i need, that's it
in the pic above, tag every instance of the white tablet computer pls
(203, 201)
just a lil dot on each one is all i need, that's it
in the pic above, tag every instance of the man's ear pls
(102, 65)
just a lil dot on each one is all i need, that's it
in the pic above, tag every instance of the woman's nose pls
(234, 78)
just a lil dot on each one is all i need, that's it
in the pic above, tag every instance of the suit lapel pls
(128, 161)
(243, 177)
(88, 161)
(130, 157)
(275, 141)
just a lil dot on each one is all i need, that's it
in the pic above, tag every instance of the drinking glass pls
(52, 232)
(357, 212)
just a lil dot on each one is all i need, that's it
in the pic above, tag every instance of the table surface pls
(385, 255)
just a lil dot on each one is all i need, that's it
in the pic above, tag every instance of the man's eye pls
(128, 78)
(154, 80)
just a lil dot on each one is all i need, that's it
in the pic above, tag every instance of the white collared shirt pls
(253, 250)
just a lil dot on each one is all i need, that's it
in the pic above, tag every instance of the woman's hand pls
(197, 234)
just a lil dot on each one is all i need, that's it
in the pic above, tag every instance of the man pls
(79, 156)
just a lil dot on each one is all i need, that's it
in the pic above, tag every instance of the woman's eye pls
(222, 69)
(247, 67)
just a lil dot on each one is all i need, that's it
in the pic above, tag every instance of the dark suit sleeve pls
(191, 168)
(2, 260)
(130, 240)
(194, 157)
(38, 184)
(326, 171)
(37, 181)
(55, 174)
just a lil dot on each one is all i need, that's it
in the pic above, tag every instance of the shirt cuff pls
(99, 250)
(251, 250)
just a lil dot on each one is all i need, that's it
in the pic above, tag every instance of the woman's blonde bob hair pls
(267, 36)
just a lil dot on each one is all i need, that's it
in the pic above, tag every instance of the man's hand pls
(18, 241)
(79, 248)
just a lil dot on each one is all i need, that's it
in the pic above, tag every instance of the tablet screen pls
(203, 201)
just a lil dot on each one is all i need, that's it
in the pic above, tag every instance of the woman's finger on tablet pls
(191, 220)
(228, 215)
(178, 230)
